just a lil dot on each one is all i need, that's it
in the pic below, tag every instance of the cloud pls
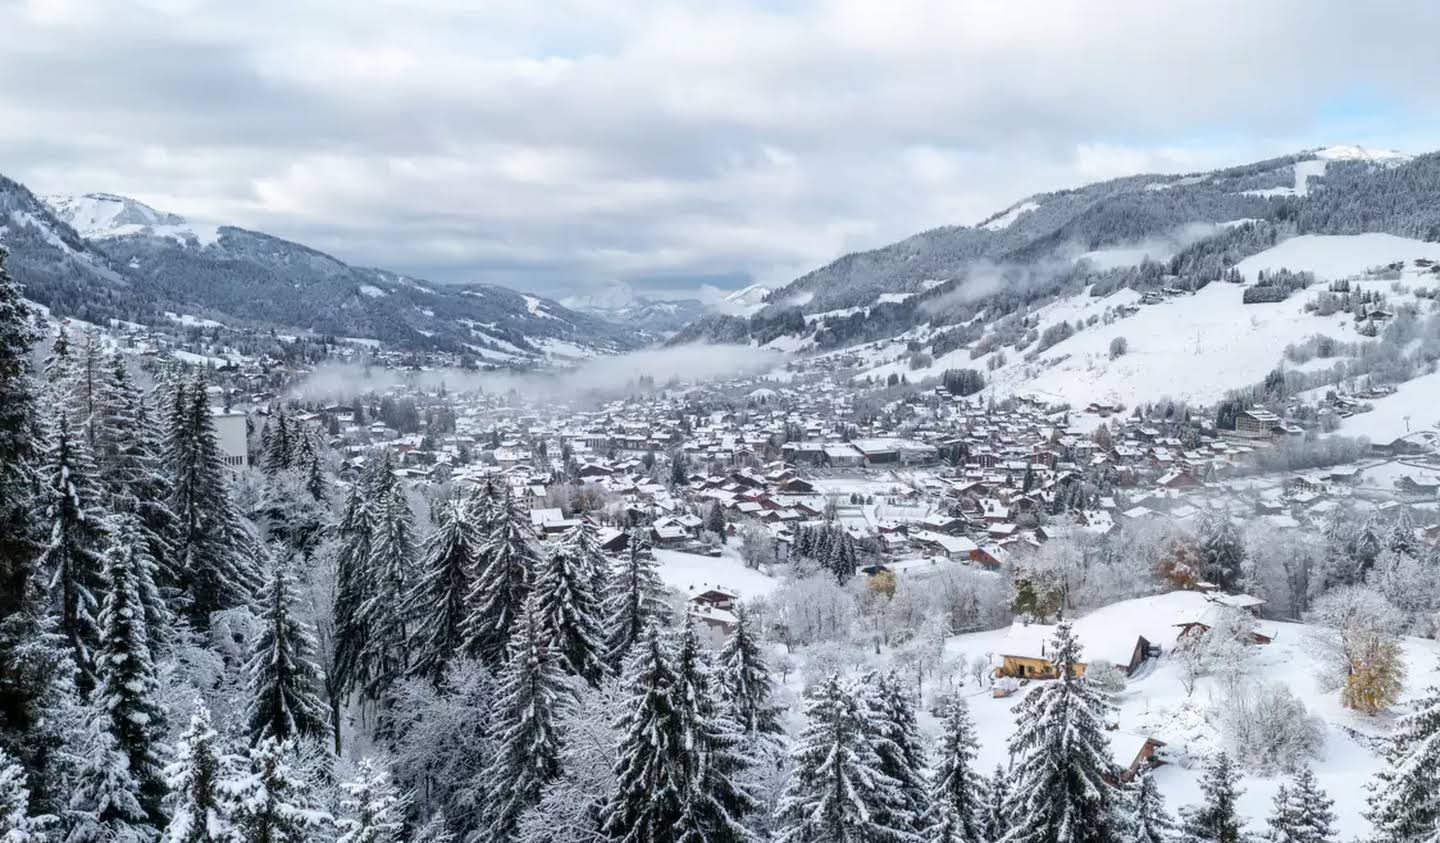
(567, 144)
(591, 380)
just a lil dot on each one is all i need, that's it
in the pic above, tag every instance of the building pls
(1256, 423)
(232, 432)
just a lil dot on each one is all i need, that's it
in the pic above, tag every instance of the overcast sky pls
(560, 145)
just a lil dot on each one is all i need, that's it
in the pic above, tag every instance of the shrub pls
(1118, 347)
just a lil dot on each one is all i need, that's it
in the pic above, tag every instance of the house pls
(1130, 753)
(551, 521)
(668, 532)
(1256, 423)
(1025, 651)
(951, 547)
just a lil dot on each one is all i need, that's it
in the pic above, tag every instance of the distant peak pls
(1355, 152)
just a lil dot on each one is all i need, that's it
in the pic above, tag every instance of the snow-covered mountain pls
(1035, 294)
(619, 303)
(100, 256)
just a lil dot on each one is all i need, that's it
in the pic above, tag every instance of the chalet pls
(1132, 753)
(942, 544)
(669, 532)
(1256, 423)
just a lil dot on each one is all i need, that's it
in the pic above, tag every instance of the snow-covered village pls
(773, 423)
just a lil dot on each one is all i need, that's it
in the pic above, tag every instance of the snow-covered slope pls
(1154, 704)
(104, 215)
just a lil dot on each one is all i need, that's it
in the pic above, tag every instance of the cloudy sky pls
(567, 144)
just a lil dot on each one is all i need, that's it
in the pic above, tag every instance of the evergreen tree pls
(636, 600)
(127, 458)
(533, 695)
(1149, 822)
(998, 810)
(1302, 813)
(957, 810)
(1403, 805)
(199, 810)
(1062, 754)
(37, 669)
(272, 802)
(507, 562)
(648, 801)
(715, 519)
(743, 680)
(129, 683)
(1222, 548)
(570, 613)
(583, 544)
(105, 797)
(900, 748)
(284, 679)
(374, 811)
(352, 583)
(212, 550)
(72, 557)
(385, 657)
(17, 825)
(1216, 821)
(279, 445)
(437, 602)
(309, 462)
(836, 793)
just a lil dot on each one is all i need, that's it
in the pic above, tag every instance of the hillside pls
(101, 256)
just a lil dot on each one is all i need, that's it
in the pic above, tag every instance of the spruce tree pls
(272, 803)
(37, 669)
(743, 680)
(570, 613)
(212, 549)
(1062, 755)
(1403, 807)
(279, 445)
(105, 797)
(129, 683)
(533, 695)
(584, 545)
(374, 810)
(437, 602)
(72, 557)
(1149, 821)
(900, 749)
(1216, 821)
(648, 799)
(1302, 812)
(999, 808)
(836, 792)
(17, 824)
(353, 583)
(957, 809)
(503, 582)
(636, 600)
(284, 679)
(199, 810)
(385, 657)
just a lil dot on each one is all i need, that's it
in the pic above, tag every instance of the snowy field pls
(1415, 406)
(691, 572)
(1155, 704)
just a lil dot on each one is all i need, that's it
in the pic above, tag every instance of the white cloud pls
(577, 141)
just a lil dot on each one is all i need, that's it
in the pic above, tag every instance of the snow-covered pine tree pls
(105, 798)
(127, 459)
(37, 669)
(284, 679)
(571, 808)
(714, 804)
(353, 582)
(311, 465)
(17, 825)
(199, 811)
(836, 793)
(534, 694)
(374, 811)
(437, 601)
(636, 600)
(385, 657)
(435, 830)
(128, 679)
(900, 748)
(503, 581)
(998, 808)
(1403, 802)
(957, 810)
(1148, 821)
(72, 558)
(271, 802)
(1216, 820)
(212, 549)
(648, 798)
(279, 445)
(481, 504)
(60, 371)
(1222, 548)
(1302, 812)
(1062, 756)
(89, 375)
(743, 679)
(582, 542)
(570, 613)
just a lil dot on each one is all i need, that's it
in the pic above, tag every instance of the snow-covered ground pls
(1415, 406)
(1337, 255)
(691, 572)
(1154, 704)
